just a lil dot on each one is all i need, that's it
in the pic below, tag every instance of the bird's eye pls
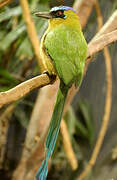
(59, 13)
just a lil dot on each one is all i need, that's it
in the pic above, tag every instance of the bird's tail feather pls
(53, 130)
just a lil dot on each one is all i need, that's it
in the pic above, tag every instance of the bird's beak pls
(46, 15)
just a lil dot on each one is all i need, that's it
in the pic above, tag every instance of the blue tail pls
(53, 131)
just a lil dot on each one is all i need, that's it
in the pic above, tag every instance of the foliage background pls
(18, 63)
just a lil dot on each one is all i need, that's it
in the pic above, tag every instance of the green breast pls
(67, 49)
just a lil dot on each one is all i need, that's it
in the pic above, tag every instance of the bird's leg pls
(52, 77)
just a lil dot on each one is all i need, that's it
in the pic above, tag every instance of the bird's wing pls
(67, 49)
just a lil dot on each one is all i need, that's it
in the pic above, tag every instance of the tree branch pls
(22, 89)
(99, 43)
(43, 80)
(83, 6)
(4, 3)
(31, 31)
(108, 101)
(68, 146)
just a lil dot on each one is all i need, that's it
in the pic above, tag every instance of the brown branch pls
(96, 45)
(43, 80)
(99, 15)
(31, 30)
(22, 89)
(109, 26)
(108, 101)
(5, 3)
(4, 125)
(29, 141)
(82, 7)
(99, 43)
(28, 167)
(68, 146)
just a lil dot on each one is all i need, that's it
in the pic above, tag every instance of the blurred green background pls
(18, 63)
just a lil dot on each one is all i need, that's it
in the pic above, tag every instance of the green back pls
(67, 48)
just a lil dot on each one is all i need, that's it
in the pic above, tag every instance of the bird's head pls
(60, 15)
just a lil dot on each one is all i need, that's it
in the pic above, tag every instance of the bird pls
(63, 53)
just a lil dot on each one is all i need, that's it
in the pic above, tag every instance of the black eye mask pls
(58, 14)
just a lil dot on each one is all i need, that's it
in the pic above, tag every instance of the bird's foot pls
(52, 77)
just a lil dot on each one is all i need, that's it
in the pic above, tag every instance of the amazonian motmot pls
(63, 51)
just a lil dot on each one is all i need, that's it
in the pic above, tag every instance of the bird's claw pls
(52, 77)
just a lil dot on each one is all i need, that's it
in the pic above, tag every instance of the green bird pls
(63, 50)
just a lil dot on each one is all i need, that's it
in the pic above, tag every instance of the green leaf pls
(87, 115)
(25, 49)
(44, 1)
(11, 12)
(2, 34)
(12, 36)
(71, 120)
(74, 124)
(81, 125)
(5, 88)
(16, 11)
(21, 116)
(81, 130)
(34, 4)
(4, 81)
(4, 73)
